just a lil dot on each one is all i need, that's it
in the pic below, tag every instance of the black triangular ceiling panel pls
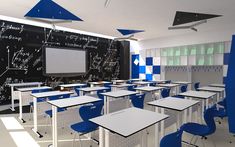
(187, 17)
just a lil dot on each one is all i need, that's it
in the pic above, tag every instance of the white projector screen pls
(64, 61)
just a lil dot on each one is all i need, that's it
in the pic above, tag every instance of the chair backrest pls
(172, 140)
(168, 82)
(165, 92)
(131, 88)
(183, 88)
(196, 86)
(209, 115)
(153, 84)
(138, 100)
(90, 111)
(129, 82)
(107, 84)
(35, 91)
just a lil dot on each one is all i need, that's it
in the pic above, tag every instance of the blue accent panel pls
(156, 69)
(142, 69)
(226, 58)
(48, 9)
(149, 77)
(224, 79)
(229, 88)
(134, 67)
(128, 32)
(149, 61)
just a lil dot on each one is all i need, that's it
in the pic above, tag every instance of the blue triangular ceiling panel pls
(128, 32)
(48, 9)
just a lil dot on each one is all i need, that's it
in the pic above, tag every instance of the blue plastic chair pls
(131, 88)
(183, 88)
(129, 82)
(138, 100)
(201, 129)
(168, 82)
(107, 85)
(172, 140)
(77, 89)
(165, 92)
(52, 98)
(87, 112)
(101, 96)
(196, 86)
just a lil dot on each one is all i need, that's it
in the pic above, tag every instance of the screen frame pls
(62, 74)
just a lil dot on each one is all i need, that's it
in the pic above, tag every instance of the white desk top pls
(33, 88)
(168, 85)
(149, 88)
(136, 79)
(144, 82)
(74, 101)
(182, 82)
(129, 121)
(213, 89)
(72, 85)
(172, 103)
(88, 89)
(122, 85)
(217, 85)
(99, 82)
(50, 93)
(120, 93)
(119, 81)
(25, 84)
(198, 94)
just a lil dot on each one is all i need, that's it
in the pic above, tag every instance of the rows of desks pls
(113, 121)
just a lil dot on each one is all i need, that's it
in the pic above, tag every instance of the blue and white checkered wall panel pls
(150, 62)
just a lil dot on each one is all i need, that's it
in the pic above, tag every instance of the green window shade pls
(170, 61)
(170, 52)
(184, 51)
(177, 52)
(164, 52)
(193, 50)
(177, 61)
(210, 50)
(200, 60)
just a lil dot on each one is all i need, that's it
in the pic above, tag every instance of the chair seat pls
(84, 127)
(195, 129)
(220, 113)
(49, 112)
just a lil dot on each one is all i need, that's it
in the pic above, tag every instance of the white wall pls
(188, 39)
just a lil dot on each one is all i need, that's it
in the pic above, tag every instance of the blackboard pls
(21, 55)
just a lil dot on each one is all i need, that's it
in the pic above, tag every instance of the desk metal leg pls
(101, 137)
(202, 109)
(12, 99)
(162, 124)
(35, 117)
(20, 108)
(54, 127)
(106, 138)
(157, 138)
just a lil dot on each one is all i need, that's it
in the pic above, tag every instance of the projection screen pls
(61, 61)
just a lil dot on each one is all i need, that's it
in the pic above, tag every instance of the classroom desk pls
(66, 103)
(171, 86)
(21, 103)
(150, 89)
(176, 104)
(203, 96)
(13, 92)
(115, 94)
(136, 80)
(99, 83)
(35, 110)
(119, 81)
(144, 83)
(117, 122)
(91, 89)
(72, 85)
(217, 85)
(120, 86)
(219, 91)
